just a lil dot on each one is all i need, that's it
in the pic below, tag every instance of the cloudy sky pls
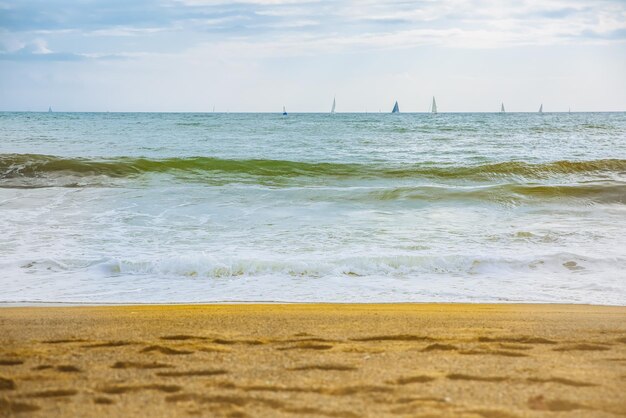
(256, 55)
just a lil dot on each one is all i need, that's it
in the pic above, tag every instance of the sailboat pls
(433, 108)
(332, 109)
(541, 108)
(502, 108)
(396, 109)
(49, 109)
(284, 111)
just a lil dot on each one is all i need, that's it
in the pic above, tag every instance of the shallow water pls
(140, 207)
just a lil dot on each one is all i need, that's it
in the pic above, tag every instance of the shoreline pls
(333, 360)
(28, 304)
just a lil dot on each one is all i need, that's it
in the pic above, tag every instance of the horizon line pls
(303, 112)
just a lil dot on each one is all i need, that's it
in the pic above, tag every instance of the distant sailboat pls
(284, 111)
(49, 109)
(541, 108)
(502, 108)
(396, 109)
(433, 108)
(332, 109)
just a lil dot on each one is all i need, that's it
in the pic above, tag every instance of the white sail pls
(502, 108)
(541, 108)
(434, 106)
(332, 109)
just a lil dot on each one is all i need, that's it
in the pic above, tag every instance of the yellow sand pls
(434, 360)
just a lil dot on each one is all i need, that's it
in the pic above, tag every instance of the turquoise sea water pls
(142, 207)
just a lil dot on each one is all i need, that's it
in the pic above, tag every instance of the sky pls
(258, 55)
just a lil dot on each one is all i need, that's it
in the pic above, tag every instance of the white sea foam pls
(562, 277)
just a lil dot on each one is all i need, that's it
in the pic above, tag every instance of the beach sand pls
(413, 360)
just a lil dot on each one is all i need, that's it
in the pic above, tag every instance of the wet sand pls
(413, 360)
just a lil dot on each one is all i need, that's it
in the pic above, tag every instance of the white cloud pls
(227, 2)
(40, 46)
(125, 31)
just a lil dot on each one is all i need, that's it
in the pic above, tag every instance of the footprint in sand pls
(120, 389)
(459, 376)
(220, 340)
(412, 379)
(327, 367)
(319, 412)
(307, 346)
(420, 399)
(58, 393)
(493, 353)
(341, 391)
(101, 400)
(164, 350)
(10, 362)
(225, 341)
(440, 347)
(182, 337)
(16, 407)
(223, 399)
(559, 380)
(65, 341)
(493, 413)
(303, 340)
(583, 347)
(109, 344)
(6, 384)
(353, 390)
(401, 337)
(508, 346)
(68, 368)
(139, 365)
(193, 373)
(519, 340)
(539, 403)
(214, 349)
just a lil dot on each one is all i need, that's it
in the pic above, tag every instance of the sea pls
(214, 207)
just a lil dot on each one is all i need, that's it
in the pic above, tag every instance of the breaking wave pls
(35, 165)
